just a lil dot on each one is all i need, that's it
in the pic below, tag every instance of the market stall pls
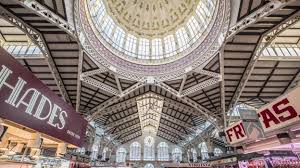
(36, 125)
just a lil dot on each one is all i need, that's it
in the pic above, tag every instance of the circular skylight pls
(151, 39)
(151, 31)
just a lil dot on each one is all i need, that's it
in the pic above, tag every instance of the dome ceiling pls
(151, 18)
(163, 39)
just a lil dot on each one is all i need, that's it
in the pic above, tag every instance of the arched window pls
(135, 151)
(204, 150)
(194, 154)
(218, 152)
(149, 165)
(177, 155)
(149, 148)
(105, 154)
(121, 155)
(163, 151)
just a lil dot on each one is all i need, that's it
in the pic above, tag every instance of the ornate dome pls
(153, 18)
(139, 38)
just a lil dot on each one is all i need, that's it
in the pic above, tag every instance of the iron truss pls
(38, 39)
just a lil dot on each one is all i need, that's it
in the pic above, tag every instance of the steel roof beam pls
(121, 121)
(39, 40)
(165, 126)
(211, 117)
(266, 39)
(78, 90)
(100, 85)
(49, 15)
(255, 16)
(93, 72)
(99, 109)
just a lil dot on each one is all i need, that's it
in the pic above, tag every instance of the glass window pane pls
(285, 51)
(130, 45)
(292, 51)
(170, 46)
(278, 51)
(135, 151)
(182, 38)
(23, 49)
(156, 49)
(118, 38)
(144, 49)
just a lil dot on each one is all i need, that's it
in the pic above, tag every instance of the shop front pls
(272, 131)
(37, 127)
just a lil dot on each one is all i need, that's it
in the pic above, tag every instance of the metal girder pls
(255, 16)
(119, 106)
(93, 72)
(267, 39)
(280, 58)
(97, 110)
(121, 121)
(49, 15)
(118, 83)
(176, 120)
(131, 136)
(223, 106)
(211, 117)
(295, 82)
(18, 57)
(38, 39)
(201, 136)
(182, 84)
(208, 73)
(126, 130)
(189, 110)
(78, 91)
(100, 85)
(129, 132)
(200, 86)
(165, 126)
(2, 40)
(166, 132)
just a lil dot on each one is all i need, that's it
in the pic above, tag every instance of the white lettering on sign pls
(235, 133)
(45, 109)
(281, 113)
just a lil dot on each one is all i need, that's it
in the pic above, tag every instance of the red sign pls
(24, 99)
(281, 113)
(235, 133)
